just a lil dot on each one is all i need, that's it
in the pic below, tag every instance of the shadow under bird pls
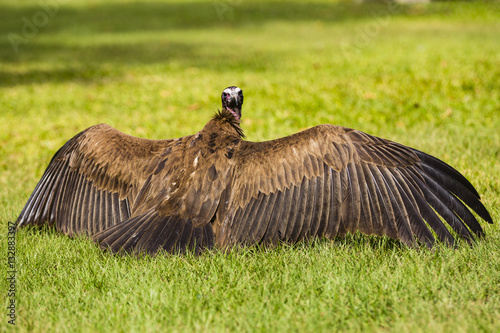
(213, 188)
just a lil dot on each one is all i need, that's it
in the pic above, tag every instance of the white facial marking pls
(232, 91)
(229, 90)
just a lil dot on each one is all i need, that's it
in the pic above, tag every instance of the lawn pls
(427, 76)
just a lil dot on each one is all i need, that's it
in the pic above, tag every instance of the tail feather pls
(150, 232)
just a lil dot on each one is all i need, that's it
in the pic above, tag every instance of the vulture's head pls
(232, 100)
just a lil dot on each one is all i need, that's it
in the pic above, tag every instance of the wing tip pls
(444, 167)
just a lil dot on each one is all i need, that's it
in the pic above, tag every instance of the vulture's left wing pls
(330, 180)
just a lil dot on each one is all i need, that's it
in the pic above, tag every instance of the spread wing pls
(330, 180)
(92, 181)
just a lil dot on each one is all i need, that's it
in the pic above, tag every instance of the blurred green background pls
(426, 75)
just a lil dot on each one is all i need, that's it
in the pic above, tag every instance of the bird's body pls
(132, 194)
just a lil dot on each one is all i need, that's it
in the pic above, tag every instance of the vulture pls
(213, 188)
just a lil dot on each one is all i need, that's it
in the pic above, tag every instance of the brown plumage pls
(132, 195)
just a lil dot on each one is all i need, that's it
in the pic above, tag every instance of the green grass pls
(426, 76)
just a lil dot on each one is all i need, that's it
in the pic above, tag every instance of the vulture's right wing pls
(330, 180)
(92, 181)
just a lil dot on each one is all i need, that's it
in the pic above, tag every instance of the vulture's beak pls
(233, 103)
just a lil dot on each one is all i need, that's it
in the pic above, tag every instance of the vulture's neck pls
(225, 122)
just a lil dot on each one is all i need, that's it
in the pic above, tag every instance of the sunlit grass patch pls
(428, 78)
